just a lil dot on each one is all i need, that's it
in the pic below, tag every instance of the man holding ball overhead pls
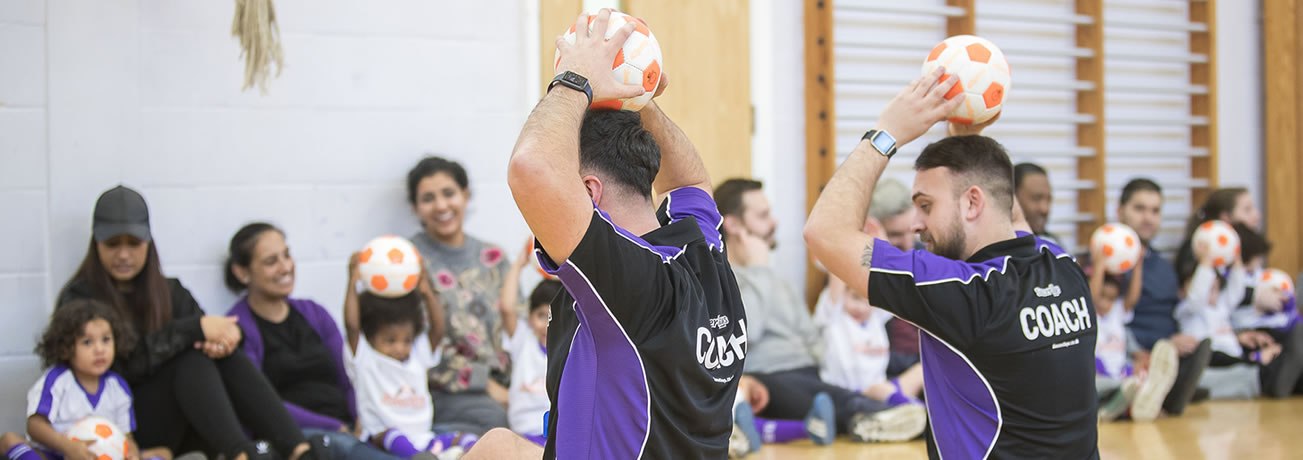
(1007, 318)
(645, 347)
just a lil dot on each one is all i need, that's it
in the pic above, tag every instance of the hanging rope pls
(255, 25)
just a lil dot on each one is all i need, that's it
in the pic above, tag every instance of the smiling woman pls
(471, 380)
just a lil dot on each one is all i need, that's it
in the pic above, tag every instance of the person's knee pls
(9, 440)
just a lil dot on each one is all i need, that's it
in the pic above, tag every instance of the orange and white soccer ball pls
(1119, 245)
(390, 266)
(638, 63)
(108, 441)
(983, 74)
(1277, 278)
(1219, 239)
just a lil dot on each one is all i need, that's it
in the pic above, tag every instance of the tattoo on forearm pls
(866, 259)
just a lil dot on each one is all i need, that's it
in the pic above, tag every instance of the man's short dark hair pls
(613, 143)
(728, 196)
(1138, 184)
(980, 160)
(1022, 170)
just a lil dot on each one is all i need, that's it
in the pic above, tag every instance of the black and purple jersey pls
(645, 346)
(1008, 349)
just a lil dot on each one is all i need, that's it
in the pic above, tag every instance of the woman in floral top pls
(469, 385)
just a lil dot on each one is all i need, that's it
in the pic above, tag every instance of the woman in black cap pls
(191, 390)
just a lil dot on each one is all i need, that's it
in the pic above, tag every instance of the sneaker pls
(1164, 363)
(821, 422)
(1187, 378)
(1285, 377)
(898, 424)
(1119, 403)
(738, 444)
(745, 424)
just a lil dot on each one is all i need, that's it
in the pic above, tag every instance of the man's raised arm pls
(835, 230)
(681, 166)
(544, 170)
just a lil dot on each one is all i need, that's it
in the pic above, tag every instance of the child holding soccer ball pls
(393, 399)
(77, 350)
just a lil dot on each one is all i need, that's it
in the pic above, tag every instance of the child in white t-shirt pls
(77, 349)
(394, 406)
(1125, 386)
(857, 348)
(528, 399)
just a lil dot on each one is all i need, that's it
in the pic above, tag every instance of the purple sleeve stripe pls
(927, 268)
(47, 396)
(604, 383)
(695, 202)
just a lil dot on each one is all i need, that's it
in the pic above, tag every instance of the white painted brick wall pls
(147, 93)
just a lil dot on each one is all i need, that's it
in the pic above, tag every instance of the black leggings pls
(791, 395)
(196, 397)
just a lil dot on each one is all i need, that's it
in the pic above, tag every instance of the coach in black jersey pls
(1008, 343)
(646, 346)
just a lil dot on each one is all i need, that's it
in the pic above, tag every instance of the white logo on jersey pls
(718, 322)
(1048, 291)
(714, 352)
(1043, 321)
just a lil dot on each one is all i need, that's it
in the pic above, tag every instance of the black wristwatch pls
(573, 81)
(881, 141)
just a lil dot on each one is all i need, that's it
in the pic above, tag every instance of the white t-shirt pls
(60, 398)
(1111, 344)
(1204, 317)
(856, 353)
(527, 397)
(392, 394)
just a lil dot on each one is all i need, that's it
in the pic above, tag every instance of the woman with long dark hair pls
(294, 341)
(191, 390)
(1233, 205)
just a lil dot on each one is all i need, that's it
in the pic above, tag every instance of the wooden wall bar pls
(1091, 200)
(1204, 105)
(1283, 116)
(820, 129)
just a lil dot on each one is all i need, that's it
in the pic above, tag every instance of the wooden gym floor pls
(1261, 429)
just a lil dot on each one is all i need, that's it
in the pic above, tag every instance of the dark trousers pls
(791, 395)
(193, 397)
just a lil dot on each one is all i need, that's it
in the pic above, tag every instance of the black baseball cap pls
(120, 211)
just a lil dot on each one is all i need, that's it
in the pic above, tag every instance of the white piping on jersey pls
(646, 389)
(669, 204)
(975, 274)
(664, 259)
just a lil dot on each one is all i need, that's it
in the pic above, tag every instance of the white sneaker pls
(1164, 363)
(898, 424)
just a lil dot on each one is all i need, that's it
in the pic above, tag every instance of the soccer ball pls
(390, 266)
(983, 76)
(638, 63)
(1119, 245)
(110, 442)
(1278, 278)
(1219, 239)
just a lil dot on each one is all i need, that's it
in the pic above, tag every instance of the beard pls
(950, 245)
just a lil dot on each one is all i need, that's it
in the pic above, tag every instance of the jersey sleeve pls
(40, 398)
(614, 273)
(693, 202)
(124, 414)
(950, 299)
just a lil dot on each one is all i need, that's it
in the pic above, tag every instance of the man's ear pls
(733, 225)
(595, 189)
(975, 203)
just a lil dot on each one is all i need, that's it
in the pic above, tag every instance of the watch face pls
(883, 142)
(575, 78)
